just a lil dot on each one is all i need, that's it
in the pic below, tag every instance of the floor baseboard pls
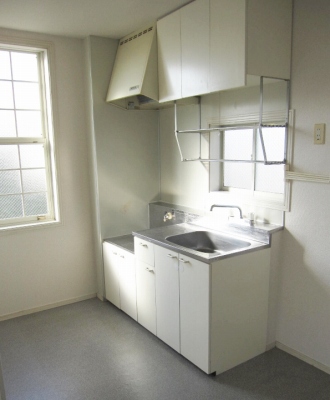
(47, 307)
(303, 357)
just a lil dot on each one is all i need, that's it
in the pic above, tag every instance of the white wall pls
(125, 153)
(304, 302)
(49, 265)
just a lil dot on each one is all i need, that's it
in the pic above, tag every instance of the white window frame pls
(45, 51)
(251, 197)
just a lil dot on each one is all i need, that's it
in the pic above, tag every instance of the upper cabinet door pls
(169, 57)
(269, 32)
(195, 26)
(227, 44)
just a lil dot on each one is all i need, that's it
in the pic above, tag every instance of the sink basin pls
(207, 242)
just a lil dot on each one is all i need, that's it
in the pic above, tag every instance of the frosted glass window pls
(6, 95)
(29, 123)
(270, 178)
(27, 175)
(7, 123)
(9, 156)
(34, 180)
(5, 70)
(11, 207)
(32, 155)
(246, 145)
(10, 182)
(238, 145)
(25, 67)
(35, 204)
(27, 96)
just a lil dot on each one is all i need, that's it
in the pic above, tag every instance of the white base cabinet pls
(215, 314)
(145, 284)
(120, 278)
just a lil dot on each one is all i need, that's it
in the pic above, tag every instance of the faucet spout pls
(228, 206)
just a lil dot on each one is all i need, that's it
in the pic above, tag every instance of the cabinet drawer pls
(144, 251)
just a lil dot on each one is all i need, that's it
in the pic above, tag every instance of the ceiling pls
(81, 18)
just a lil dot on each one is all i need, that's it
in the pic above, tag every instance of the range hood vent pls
(134, 78)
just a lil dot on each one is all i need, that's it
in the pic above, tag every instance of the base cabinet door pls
(146, 295)
(167, 297)
(127, 284)
(195, 311)
(111, 273)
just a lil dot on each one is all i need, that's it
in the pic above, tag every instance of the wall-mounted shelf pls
(306, 177)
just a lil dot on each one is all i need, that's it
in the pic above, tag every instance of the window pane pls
(6, 95)
(10, 182)
(270, 178)
(34, 180)
(25, 66)
(9, 157)
(274, 141)
(27, 96)
(238, 145)
(29, 123)
(11, 207)
(5, 72)
(32, 155)
(7, 123)
(238, 175)
(35, 204)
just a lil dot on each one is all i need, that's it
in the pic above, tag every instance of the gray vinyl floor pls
(92, 351)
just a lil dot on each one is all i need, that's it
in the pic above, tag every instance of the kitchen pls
(126, 142)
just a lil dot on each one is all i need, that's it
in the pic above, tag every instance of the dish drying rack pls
(260, 127)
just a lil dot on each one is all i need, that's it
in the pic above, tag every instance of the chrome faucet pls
(169, 215)
(227, 206)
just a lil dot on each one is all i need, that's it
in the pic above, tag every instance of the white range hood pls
(134, 78)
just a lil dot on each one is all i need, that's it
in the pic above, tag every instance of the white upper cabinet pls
(213, 45)
(227, 44)
(169, 57)
(195, 21)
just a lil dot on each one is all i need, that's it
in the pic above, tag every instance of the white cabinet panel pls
(195, 25)
(119, 278)
(146, 295)
(144, 251)
(167, 297)
(127, 285)
(169, 57)
(111, 273)
(195, 311)
(227, 44)
(223, 44)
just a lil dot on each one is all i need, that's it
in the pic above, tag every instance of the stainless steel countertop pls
(158, 236)
(126, 242)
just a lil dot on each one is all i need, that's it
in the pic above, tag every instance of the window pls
(27, 167)
(255, 182)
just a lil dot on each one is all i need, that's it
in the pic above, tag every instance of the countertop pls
(126, 242)
(158, 236)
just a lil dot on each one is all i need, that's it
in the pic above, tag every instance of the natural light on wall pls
(27, 165)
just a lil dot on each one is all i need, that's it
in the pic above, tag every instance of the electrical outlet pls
(319, 133)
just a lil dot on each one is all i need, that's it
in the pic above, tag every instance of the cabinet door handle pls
(114, 253)
(143, 245)
(149, 269)
(121, 255)
(184, 261)
(170, 255)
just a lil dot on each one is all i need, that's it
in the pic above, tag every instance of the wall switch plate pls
(319, 133)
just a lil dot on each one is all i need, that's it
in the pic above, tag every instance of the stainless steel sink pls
(207, 242)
